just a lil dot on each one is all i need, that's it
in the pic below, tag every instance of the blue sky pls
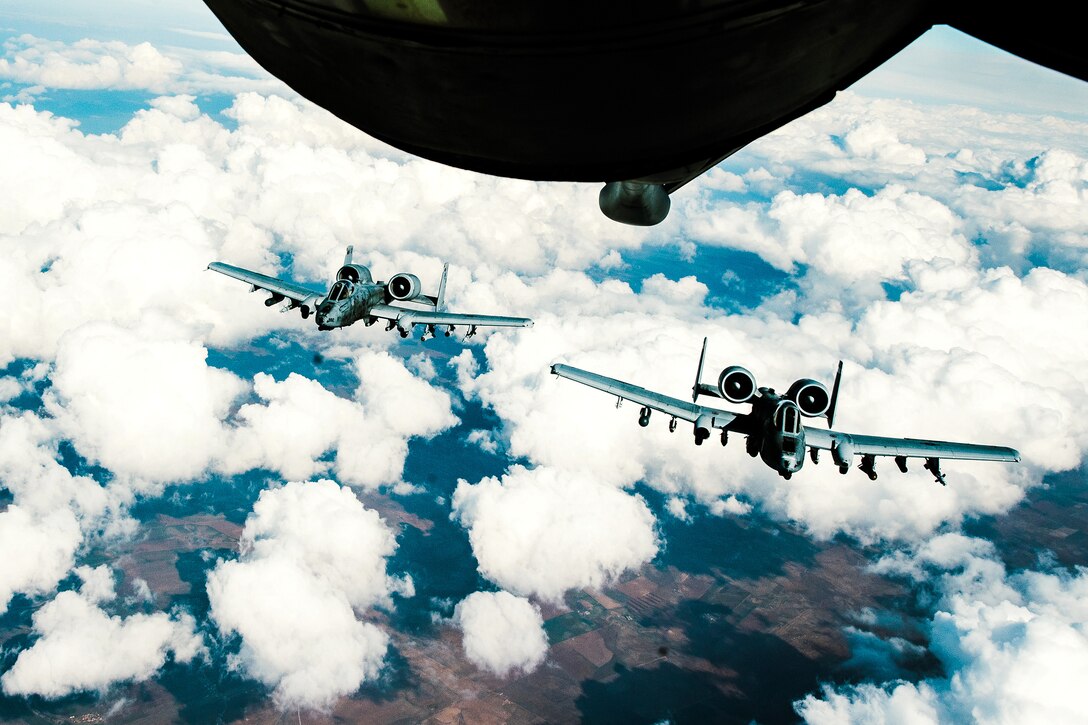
(915, 227)
(172, 22)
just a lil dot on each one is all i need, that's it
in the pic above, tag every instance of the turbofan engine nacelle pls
(354, 273)
(403, 287)
(736, 384)
(811, 397)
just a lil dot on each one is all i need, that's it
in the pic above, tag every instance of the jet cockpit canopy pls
(340, 291)
(787, 418)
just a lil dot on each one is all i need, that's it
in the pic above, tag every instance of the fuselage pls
(779, 437)
(353, 293)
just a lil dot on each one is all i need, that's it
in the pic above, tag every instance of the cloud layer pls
(1014, 646)
(90, 64)
(82, 648)
(940, 252)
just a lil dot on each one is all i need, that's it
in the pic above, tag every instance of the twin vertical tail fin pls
(698, 374)
(440, 300)
(699, 388)
(834, 397)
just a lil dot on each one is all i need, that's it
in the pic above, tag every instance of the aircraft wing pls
(908, 447)
(405, 318)
(666, 404)
(288, 290)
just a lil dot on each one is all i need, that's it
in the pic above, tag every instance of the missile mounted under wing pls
(644, 95)
(773, 429)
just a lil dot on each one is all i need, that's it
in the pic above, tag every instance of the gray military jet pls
(773, 427)
(356, 296)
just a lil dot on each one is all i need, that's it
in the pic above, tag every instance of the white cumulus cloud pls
(502, 633)
(82, 648)
(87, 64)
(116, 391)
(298, 421)
(313, 562)
(543, 532)
(1017, 183)
(46, 544)
(52, 512)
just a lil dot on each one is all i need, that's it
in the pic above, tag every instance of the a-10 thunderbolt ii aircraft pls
(355, 295)
(773, 427)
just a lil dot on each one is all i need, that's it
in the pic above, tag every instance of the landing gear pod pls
(842, 452)
(752, 445)
(703, 426)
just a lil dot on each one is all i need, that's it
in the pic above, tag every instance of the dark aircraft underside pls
(652, 91)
